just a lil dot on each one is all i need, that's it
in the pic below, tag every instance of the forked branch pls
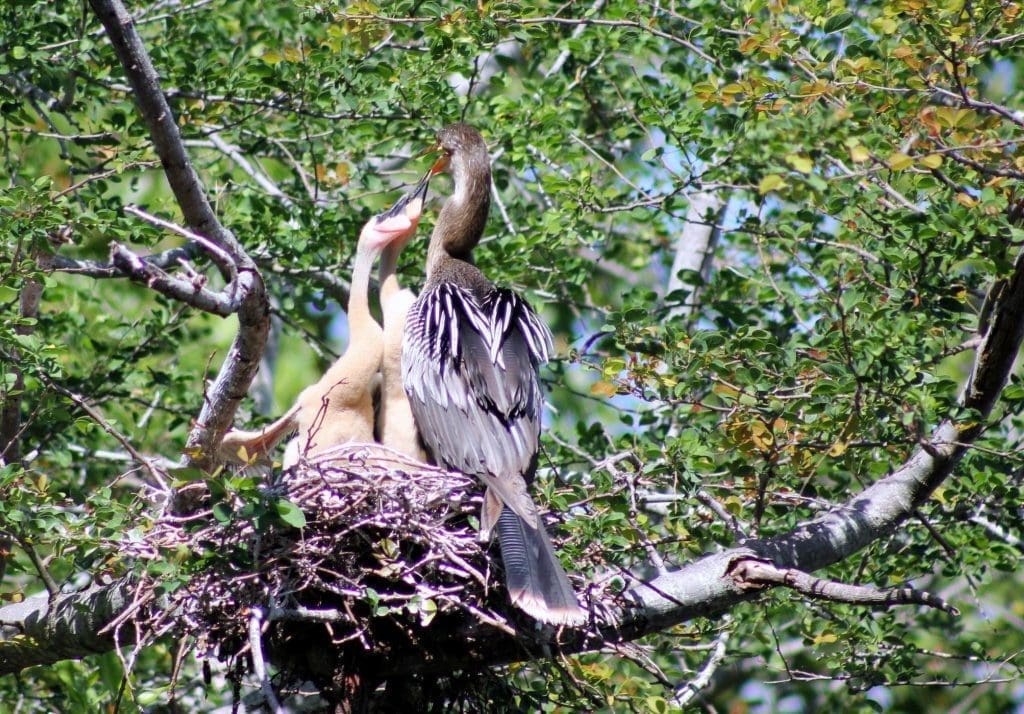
(245, 284)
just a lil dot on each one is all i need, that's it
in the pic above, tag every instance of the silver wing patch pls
(470, 366)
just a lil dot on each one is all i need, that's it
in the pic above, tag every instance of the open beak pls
(419, 193)
(440, 164)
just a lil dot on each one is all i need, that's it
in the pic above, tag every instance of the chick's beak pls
(420, 191)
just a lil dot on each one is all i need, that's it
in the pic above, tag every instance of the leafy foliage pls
(868, 161)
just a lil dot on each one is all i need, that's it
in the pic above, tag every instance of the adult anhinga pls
(338, 408)
(470, 357)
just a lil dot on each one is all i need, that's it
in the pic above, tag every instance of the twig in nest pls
(258, 665)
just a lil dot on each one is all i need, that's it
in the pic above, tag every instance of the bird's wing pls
(470, 370)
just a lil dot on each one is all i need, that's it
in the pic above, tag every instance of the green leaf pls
(839, 22)
(290, 514)
(222, 512)
(771, 182)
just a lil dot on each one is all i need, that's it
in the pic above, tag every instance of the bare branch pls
(282, 102)
(757, 574)
(883, 184)
(307, 614)
(240, 160)
(559, 62)
(247, 289)
(44, 573)
(191, 292)
(737, 528)
(982, 168)
(691, 689)
(84, 405)
(643, 27)
(97, 269)
(997, 531)
(988, 107)
(220, 256)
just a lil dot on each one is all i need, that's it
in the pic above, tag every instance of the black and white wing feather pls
(469, 366)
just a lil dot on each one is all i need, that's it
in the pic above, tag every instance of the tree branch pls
(97, 269)
(705, 587)
(189, 291)
(36, 631)
(94, 414)
(694, 247)
(758, 574)
(258, 664)
(247, 289)
(691, 689)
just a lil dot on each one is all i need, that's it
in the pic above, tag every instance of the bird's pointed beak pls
(399, 222)
(440, 164)
(411, 202)
(432, 149)
(420, 192)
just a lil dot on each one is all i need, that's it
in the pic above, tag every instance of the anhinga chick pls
(338, 408)
(396, 427)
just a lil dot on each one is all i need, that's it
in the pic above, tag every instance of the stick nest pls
(387, 550)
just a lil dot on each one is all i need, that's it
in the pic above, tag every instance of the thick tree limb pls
(694, 248)
(247, 289)
(37, 631)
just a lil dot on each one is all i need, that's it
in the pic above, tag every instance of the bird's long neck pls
(460, 224)
(359, 318)
(388, 273)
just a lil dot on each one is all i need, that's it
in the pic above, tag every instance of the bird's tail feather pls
(536, 581)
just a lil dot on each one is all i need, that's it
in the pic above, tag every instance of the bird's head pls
(462, 219)
(463, 154)
(398, 223)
